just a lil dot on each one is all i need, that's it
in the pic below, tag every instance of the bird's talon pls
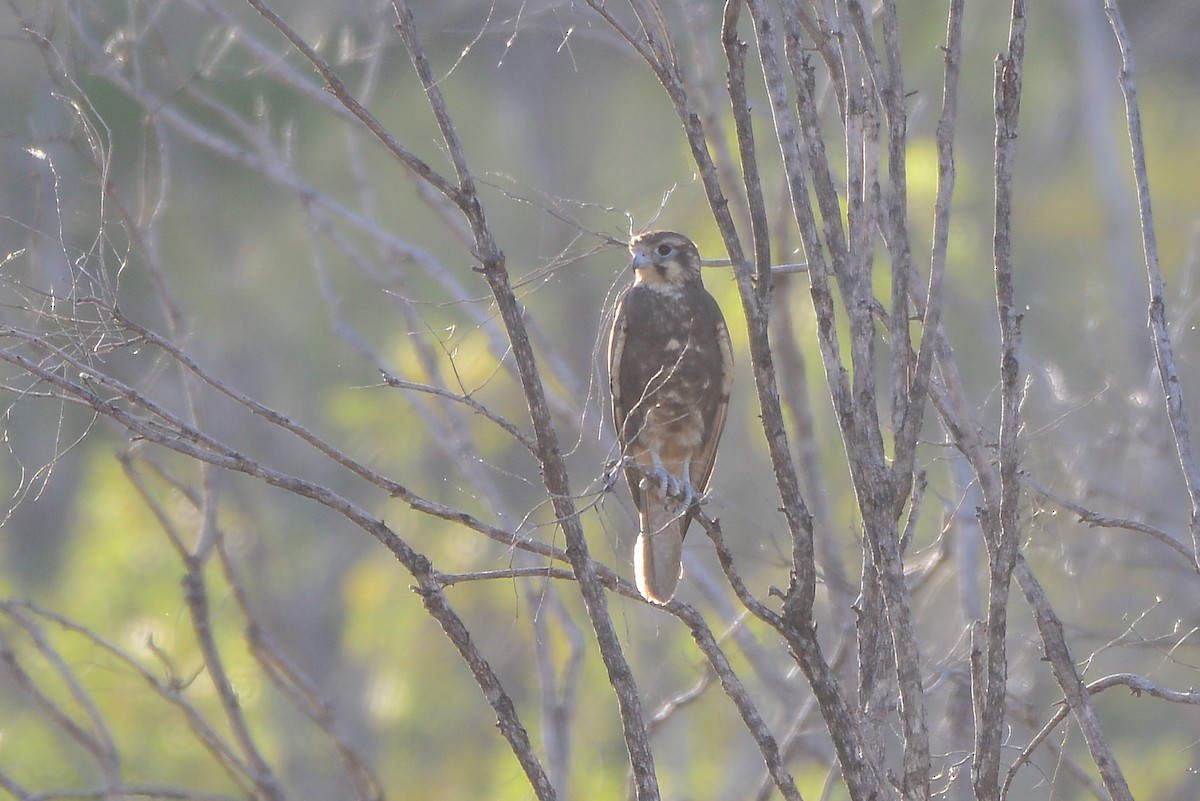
(688, 495)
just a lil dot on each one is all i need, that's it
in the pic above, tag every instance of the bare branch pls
(177, 436)
(344, 96)
(170, 690)
(913, 413)
(767, 745)
(1096, 519)
(990, 674)
(1164, 354)
(450, 579)
(1137, 686)
(95, 736)
(1058, 653)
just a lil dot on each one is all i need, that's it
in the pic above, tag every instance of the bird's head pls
(664, 259)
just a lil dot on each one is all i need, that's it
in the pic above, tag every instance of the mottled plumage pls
(670, 370)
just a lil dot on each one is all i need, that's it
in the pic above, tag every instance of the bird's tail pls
(658, 554)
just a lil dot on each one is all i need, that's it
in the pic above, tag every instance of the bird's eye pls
(663, 250)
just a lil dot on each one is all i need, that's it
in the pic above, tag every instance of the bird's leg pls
(668, 485)
(686, 493)
(671, 487)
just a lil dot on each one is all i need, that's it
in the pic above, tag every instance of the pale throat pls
(649, 277)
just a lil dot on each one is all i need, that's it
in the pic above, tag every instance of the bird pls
(670, 367)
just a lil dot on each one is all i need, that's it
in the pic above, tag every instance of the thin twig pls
(1137, 686)
(732, 685)
(347, 99)
(450, 579)
(786, 268)
(913, 412)
(1096, 519)
(94, 736)
(170, 690)
(1058, 653)
(1164, 354)
(196, 595)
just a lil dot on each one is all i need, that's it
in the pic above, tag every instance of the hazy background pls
(572, 136)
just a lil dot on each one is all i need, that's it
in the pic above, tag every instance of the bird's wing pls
(637, 374)
(658, 553)
(718, 407)
(620, 390)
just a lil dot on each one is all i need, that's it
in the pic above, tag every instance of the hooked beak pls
(640, 261)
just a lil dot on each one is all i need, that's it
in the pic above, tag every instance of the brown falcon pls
(670, 367)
